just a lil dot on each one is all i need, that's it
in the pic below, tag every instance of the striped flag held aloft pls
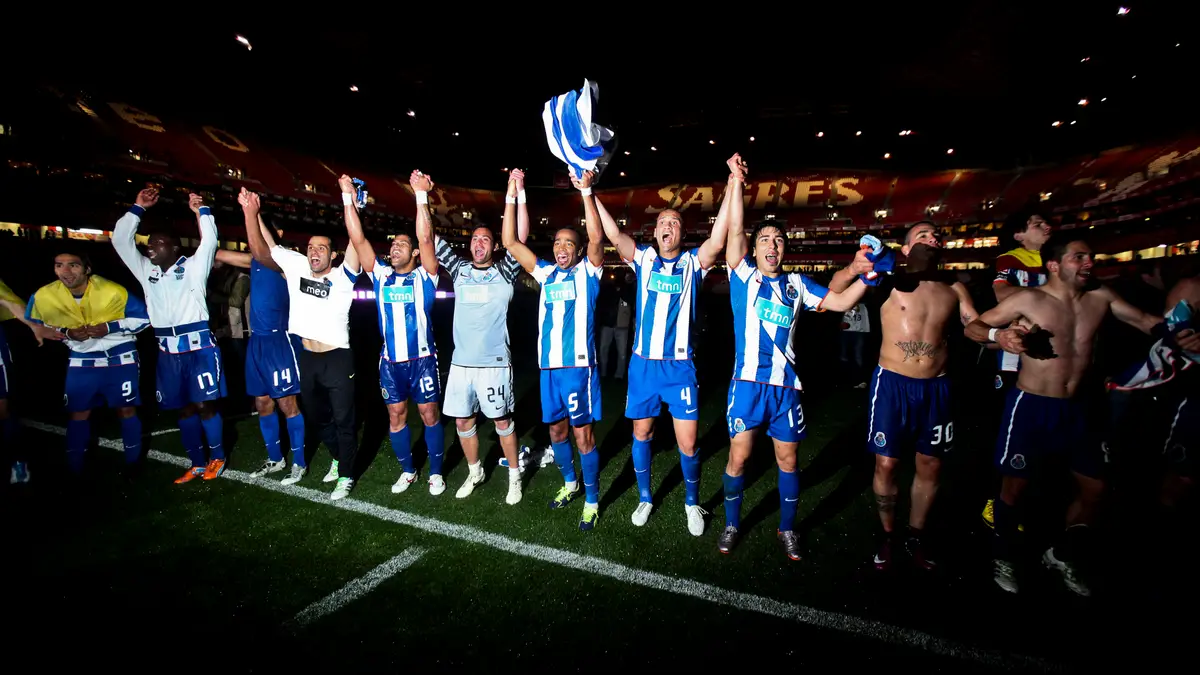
(572, 135)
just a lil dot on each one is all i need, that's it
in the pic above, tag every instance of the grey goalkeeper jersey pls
(481, 299)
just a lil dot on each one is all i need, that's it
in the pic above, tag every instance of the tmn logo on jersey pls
(666, 283)
(317, 289)
(773, 313)
(563, 291)
(398, 294)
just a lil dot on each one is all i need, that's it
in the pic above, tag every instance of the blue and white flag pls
(1166, 359)
(571, 134)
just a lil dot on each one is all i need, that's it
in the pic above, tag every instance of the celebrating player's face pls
(70, 270)
(1037, 231)
(1075, 269)
(401, 252)
(566, 248)
(482, 245)
(923, 234)
(320, 254)
(668, 231)
(768, 249)
(162, 249)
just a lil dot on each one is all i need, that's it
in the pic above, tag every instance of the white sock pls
(476, 467)
(514, 475)
(573, 485)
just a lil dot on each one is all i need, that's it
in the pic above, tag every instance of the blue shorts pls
(417, 379)
(753, 404)
(1034, 428)
(571, 392)
(906, 411)
(88, 388)
(271, 365)
(191, 377)
(653, 382)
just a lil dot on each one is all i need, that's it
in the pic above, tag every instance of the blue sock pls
(269, 426)
(565, 461)
(789, 498)
(641, 469)
(212, 431)
(402, 446)
(79, 434)
(591, 476)
(691, 478)
(435, 441)
(131, 435)
(295, 427)
(192, 436)
(733, 499)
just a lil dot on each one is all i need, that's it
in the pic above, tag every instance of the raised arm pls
(124, 236)
(733, 213)
(358, 241)
(208, 233)
(522, 212)
(259, 248)
(508, 235)
(626, 248)
(1009, 310)
(966, 306)
(234, 258)
(591, 216)
(710, 250)
(421, 185)
(1129, 314)
(840, 301)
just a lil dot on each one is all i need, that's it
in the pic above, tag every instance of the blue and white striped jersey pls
(764, 318)
(666, 303)
(404, 307)
(567, 314)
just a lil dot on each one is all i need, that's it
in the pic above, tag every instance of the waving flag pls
(1166, 359)
(571, 134)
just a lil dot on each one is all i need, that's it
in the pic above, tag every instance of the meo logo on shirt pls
(475, 294)
(398, 294)
(773, 313)
(560, 292)
(317, 289)
(666, 283)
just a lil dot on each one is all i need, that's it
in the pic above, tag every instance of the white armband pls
(347, 200)
(992, 334)
(586, 192)
(510, 200)
(422, 197)
(521, 196)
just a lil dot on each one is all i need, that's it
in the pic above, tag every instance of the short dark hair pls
(75, 250)
(163, 231)
(1056, 246)
(1018, 222)
(764, 224)
(412, 237)
(913, 228)
(579, 238)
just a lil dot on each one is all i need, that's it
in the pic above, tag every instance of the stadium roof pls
(987, 80)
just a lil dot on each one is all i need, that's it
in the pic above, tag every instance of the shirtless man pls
(1045, 414)
(909, 391)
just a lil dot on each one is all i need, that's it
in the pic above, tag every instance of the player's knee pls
(558, 431)
(264, 405)
(735, 464)
(79, 416)
(289, 407)
(786, 461)
(584, 438)
(466, 428)
(928, 467)
(126, 412)
(429, 414)
(505, 427)
(206, 410)
(397, 416)
(885, 466)
(687, 447)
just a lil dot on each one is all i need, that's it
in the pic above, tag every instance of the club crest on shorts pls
(739, 426)
(383, 391)
(1018, 462)
(999, 382)
(790, 292)
(880, 439)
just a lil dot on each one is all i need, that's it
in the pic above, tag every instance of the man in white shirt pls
(856, 326)
(319, 297)
(188, 376)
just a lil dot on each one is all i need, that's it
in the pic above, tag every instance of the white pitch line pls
(844, 623)
(356, 588)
